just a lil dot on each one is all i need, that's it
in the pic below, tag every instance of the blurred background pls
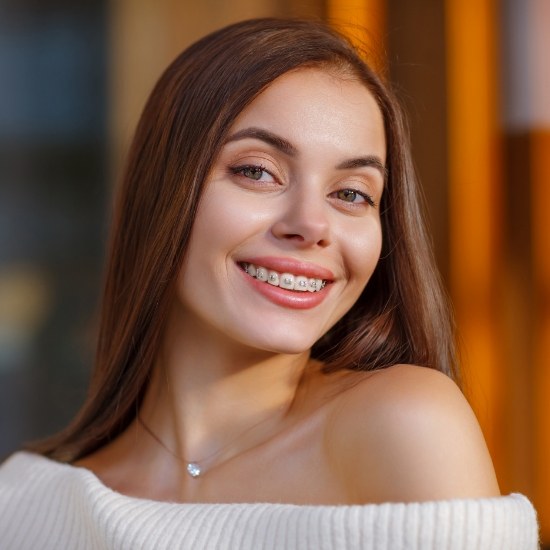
(474, 78)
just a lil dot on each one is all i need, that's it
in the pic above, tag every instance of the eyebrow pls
(368, 161)
(263, 135)
(283, 145)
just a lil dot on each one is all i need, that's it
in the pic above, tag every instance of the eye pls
(253, 172)
(353, 196)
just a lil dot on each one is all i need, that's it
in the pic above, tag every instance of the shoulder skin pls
(407, 434)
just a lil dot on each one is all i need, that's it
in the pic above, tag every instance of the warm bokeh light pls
(475, 200)
(540, 170)
(364, 21)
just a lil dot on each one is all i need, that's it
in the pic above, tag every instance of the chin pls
(284, 344)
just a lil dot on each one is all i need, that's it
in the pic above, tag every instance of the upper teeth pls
(288, 281)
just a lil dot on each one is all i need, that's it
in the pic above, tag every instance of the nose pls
(304, 220)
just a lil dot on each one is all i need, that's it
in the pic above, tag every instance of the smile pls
(288, 281)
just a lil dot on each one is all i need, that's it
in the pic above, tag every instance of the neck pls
(204, 396)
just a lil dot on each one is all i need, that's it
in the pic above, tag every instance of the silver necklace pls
(193, 467)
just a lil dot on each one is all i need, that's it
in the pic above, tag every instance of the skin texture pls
(292, 212)
(234, 387)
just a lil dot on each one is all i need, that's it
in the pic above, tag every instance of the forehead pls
(318, 106)
(312, 83)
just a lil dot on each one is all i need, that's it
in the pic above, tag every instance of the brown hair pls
(401, 317)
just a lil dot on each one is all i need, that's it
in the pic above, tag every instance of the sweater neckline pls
(91, 480)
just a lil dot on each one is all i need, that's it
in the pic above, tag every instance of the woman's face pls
(288, 231)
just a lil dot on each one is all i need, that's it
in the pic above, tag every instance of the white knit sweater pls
(48, 505)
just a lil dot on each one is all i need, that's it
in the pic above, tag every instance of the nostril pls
(302, 230)
(295, 236)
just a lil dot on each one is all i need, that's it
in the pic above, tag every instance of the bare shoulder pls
(406, 433)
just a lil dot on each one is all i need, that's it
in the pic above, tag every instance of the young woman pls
(273, 330)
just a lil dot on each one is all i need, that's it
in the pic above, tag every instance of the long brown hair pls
(401, 317)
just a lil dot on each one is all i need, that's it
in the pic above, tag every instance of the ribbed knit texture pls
(47, 505)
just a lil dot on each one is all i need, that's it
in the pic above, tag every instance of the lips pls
(288, 282)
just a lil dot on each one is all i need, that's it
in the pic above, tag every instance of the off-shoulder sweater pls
(49, 505)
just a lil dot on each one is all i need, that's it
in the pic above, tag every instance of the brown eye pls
(352, 196)
(349, 195)
(252, 172)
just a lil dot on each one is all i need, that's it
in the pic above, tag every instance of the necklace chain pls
(194, 468)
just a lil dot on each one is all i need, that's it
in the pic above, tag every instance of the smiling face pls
(288, 231)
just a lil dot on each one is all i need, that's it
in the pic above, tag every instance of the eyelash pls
(368, 199)
(240, 170)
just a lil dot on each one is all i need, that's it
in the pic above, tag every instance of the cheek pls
(227, 216)
(363, 249)
(218, 225)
